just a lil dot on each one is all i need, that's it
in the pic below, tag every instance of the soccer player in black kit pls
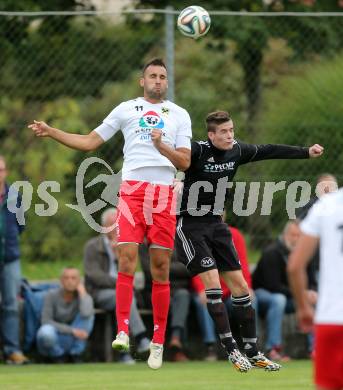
(203, 241)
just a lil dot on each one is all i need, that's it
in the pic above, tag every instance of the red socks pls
(160, 298)
(124, 292)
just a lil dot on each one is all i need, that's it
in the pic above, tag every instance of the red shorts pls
(328, 361)
(146, 210)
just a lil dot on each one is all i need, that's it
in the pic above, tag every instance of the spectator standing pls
(10, 274)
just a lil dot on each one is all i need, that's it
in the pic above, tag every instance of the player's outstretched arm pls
(82, 142)
(252, 153)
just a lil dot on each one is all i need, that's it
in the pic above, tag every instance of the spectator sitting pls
(9, 273)
(180, 301)
(101, 272)
(204, 319)
(272, 291)
(67, 319)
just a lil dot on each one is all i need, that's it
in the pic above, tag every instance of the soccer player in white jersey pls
(157, 136)
(323, 225)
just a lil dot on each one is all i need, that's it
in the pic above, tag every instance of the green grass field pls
(295, 375)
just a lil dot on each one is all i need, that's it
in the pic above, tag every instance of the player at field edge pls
(203, 240)
(322, 227)
(157, 136)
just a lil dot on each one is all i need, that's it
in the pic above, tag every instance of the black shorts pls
(205, 243)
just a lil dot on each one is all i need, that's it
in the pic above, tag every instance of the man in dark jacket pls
(272, 290)
(9, 273)
(101, 273)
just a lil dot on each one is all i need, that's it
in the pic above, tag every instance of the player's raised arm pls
(82, 142)
(252, 153)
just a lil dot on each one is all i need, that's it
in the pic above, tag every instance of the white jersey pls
(325, 221)
(136, 118)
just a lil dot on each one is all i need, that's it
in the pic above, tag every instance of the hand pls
(41, 129)
(315, 150)
(305, 317)
(81, 290)
(156, 137)
(312, 296)
(80, 334)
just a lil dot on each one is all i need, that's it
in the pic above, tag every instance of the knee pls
(279, 301)
(46, 335)
(127, 261)
(160, 270)
(89, 324)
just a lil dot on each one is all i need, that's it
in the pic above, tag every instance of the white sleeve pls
(185, 127)
(312, 222)
(105, 131)
(183, 141)
(111, 124)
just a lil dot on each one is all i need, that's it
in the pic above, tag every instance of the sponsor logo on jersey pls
(151, 120)
(211, 159)
(216, 168)
(207, 262)
(165, 110)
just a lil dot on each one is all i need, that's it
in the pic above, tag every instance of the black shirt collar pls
(217, 152)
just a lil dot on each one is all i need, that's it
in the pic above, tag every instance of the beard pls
(157, 95)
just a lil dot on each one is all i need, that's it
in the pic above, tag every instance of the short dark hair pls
(216, 118)
(154, 62)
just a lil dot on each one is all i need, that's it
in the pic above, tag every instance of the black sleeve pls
(196, 150)
(250, 152)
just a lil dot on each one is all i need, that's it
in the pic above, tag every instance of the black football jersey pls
(206, 180)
